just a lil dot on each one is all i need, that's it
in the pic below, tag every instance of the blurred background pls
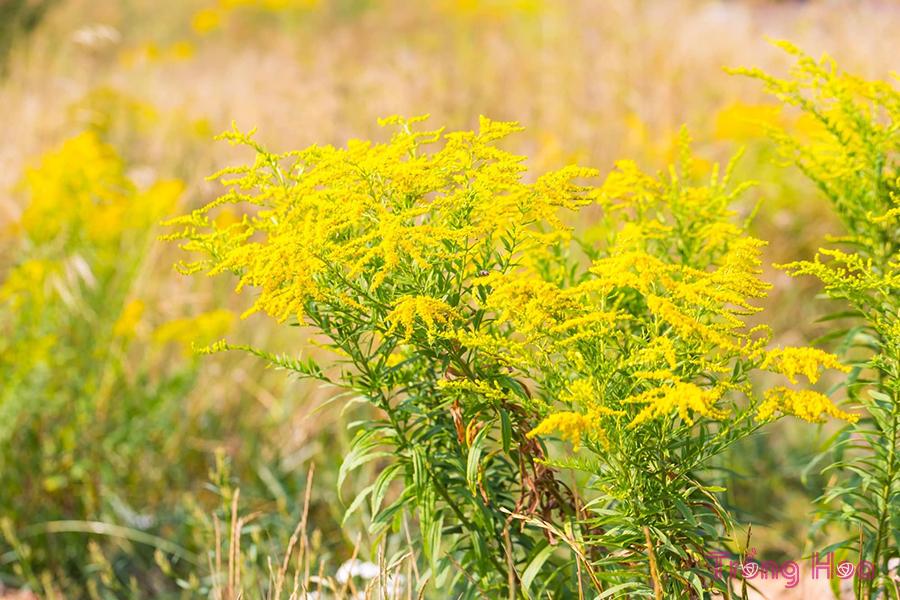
(121, 449)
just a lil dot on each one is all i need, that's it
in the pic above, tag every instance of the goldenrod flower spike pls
(806, 361)
(808, 405)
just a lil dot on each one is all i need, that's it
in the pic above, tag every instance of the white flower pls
(93, 36)
(356, 568)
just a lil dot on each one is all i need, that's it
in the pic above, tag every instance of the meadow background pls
(121, 450)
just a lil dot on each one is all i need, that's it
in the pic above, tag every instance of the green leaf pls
(474, 459)
(608, 593)
(357, 502)
(845, 314)
(505, 430)
(362, 450)
(685, 511)
(434, 530)
(534, 567)
(420, 472)
(380, 487)
(383, 519)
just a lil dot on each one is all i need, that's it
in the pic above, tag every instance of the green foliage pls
(849, 148)
(103, 443)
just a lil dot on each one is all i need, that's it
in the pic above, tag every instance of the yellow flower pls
(583, 392)
(80, 192)
(683, 397)
(742, 122)
(571, 427)
(159, 200)
(498, 347)
(592, 325)
(660, 374)
(27, 283)
(181, 50)
(484, 389)
(494, 10)
(403, 209)
(131, 315)
(409, 310)
(580, 392)
(191, 332)
(806, 404)
(635, 269)
(687, 325)
(270, 5)
(806, 361)
(206, 20)
(528, 302)
(75, 184)
(660, 348)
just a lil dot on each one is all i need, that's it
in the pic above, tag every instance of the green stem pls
(884, 516)
(381, 401)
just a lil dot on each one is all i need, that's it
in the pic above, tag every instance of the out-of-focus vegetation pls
(17, 19)
(120, 450)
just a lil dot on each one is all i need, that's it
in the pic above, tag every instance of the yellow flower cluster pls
(484, 389)
(744, 122)
(211, 18)
(846, 275)
(410, 309)
(82, 232)
(27, 283)
(847, 130)
(75, 261)
(528, 303)
(129, 318)
(658, 350)
(437, 232)
(81, 190)
(584, 393)
(808, 405)
(482, 10)
(194, 332)
(683, 398)
(806, 361)
(81, 180)
(343, 221)
(660, 309)
(571, 427)
(581, 392)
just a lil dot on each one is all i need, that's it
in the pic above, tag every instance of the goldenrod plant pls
(92, 434)
(481, 327)
(110, 421)
(849, 149)
(380, 247)
(67, 314)
(644, 357)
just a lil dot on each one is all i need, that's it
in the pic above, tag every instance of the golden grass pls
(579, 74)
